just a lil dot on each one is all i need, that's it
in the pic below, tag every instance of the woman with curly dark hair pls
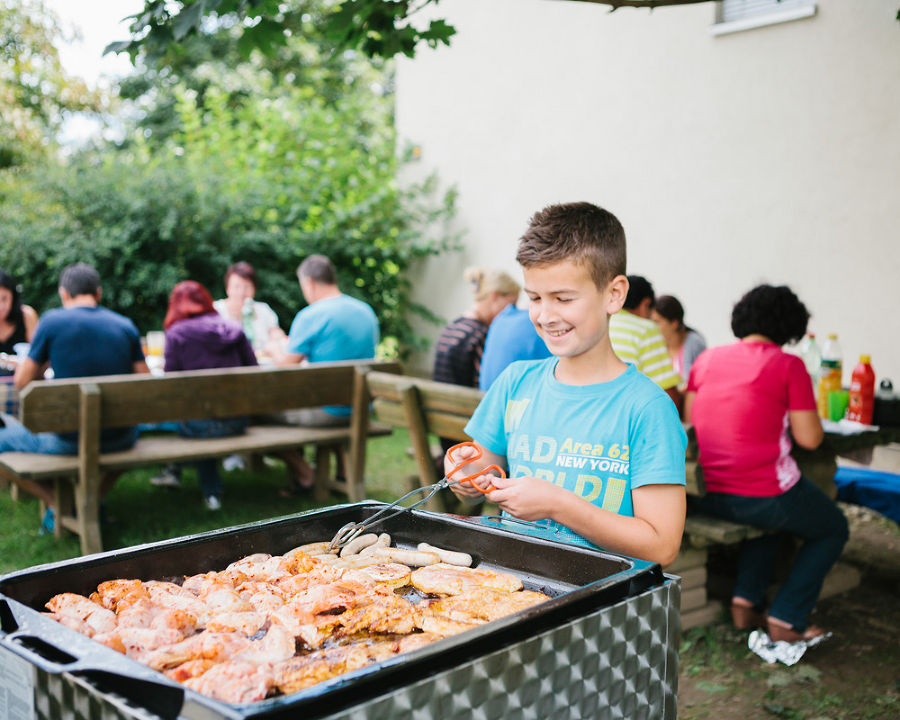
(746, 402)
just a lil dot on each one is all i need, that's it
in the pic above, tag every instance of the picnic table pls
(821, 464)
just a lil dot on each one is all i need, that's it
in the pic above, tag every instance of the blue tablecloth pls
(871, 488)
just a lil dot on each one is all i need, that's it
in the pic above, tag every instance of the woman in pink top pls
(749, 403)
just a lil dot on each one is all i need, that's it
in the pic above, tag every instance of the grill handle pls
(55, 649)
(141, 691)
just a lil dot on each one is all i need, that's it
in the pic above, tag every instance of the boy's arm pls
(654, 533)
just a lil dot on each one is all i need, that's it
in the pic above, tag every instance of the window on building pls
(737, 15)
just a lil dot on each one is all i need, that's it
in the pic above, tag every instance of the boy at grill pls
(594, 449)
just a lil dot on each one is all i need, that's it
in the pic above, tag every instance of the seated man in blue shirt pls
(332, 327)
(81, 339)
(510, 337)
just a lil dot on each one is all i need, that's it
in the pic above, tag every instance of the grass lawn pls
(137, 512)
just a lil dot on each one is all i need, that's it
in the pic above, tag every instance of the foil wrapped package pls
(781, 651)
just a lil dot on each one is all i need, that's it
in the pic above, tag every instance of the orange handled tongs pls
(355, 529)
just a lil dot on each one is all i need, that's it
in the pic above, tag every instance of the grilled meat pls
(283, 623)
(443, 579)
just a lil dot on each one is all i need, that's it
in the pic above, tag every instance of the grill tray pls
(579, 580)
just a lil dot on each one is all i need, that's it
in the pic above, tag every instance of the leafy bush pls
(271, 180)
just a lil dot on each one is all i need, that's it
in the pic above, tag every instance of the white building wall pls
(769, 155)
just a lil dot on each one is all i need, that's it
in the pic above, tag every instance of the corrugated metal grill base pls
(68, 697)
(618, 662)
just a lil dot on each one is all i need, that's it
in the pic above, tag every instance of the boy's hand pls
(465, 490)
(527, 498)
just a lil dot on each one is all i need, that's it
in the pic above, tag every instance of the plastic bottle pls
(812, 357)
(862, 392)
(247, 316)
(830, 376)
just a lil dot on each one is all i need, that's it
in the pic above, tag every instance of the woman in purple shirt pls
(197, 338)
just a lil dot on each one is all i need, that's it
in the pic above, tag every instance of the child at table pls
(595, 449)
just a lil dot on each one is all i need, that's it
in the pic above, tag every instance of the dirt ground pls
(855, 674)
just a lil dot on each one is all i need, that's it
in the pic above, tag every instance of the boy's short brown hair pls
(581, 232)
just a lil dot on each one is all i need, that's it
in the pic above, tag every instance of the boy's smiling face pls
(570, 312)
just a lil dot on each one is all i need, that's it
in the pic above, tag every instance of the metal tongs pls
(352, 530)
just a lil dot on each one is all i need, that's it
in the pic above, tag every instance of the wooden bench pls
(421, 406)
(87, 405)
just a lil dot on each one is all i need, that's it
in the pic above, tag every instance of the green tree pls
(379, 28)
(217, 58)
(272, 180)
(35, 92)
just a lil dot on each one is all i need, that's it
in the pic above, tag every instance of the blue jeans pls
(208, 470)
(14, 436)
(804, 511)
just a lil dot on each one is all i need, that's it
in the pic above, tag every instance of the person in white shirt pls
(240, 287)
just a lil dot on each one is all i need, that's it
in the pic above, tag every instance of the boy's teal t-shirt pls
(598, 441)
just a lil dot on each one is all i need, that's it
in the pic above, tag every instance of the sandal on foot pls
(747, 617)
(780, 633)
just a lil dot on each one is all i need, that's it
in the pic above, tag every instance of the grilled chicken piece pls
(443, 579)
(318, 574)
(137, 642)
(261, 567)
(112, 640)
(221, 599)
(160, 591)
(300, 562)
(276, 645)
(81, 614)
(189, 669)
(219, 647)
(482, 604)
(390, 575)
(112, 593)
(233, 682)
(265, 601)
(387, 614)
(328, 598)
(443, 627)
(200, 584)
(312, 614)
(247, 622)
(408, 643)
(145, 614)
(307, 670)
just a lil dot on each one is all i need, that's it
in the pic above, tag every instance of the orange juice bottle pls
(830, 376)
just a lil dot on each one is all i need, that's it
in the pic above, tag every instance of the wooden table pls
(820, 465)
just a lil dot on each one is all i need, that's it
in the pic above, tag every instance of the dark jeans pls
(208, 470)
(804, 511)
